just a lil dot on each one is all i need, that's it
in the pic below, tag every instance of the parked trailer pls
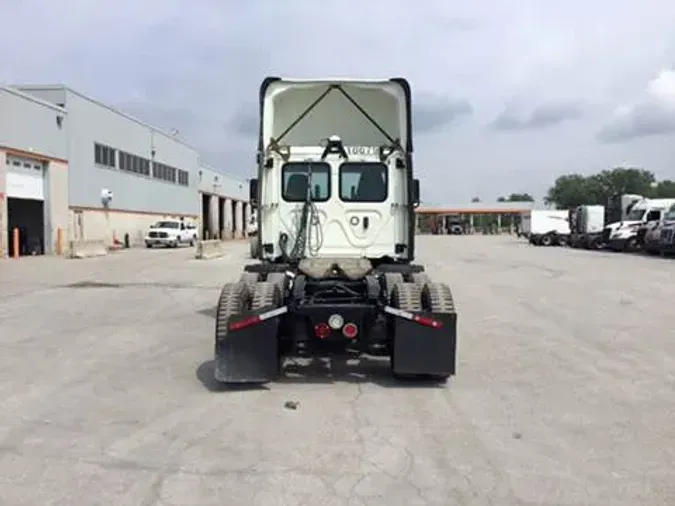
(546, 227)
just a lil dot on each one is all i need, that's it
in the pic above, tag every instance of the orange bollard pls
(59, 241)
(15, 242)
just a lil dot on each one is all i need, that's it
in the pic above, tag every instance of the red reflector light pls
(428, 322)
(247, 322)
(322, 330)
(350, 330)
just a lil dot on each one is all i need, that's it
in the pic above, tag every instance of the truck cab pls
(339, 186)
(586, 226)
(335, 199)
(664, 234)
(625, 235)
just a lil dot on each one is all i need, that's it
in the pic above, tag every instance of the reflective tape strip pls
(273, 313)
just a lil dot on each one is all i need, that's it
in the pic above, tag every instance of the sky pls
(507, 95)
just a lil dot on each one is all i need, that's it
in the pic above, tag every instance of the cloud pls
(431, 114)
(542, 116)
(198, 70)
(245, 121)
(652, 114)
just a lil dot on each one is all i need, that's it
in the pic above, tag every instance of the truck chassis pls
(276, 310)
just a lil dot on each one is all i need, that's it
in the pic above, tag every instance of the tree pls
(475, 199)
(573, 190)
(569, 191)
(663, 190)
(517, 197)
(621, 180)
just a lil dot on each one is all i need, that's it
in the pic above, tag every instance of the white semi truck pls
(586, 225)
(335, 195)
(545, 227)
(624, 235)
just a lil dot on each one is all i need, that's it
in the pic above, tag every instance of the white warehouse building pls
(62, 153)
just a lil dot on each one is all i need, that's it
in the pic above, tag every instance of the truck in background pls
(546, 227)
(625, 235)
(664, 234)
(586, 225)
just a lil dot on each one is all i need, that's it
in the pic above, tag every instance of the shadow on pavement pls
(335, 369)
(205, 375)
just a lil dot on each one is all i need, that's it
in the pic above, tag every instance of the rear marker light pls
(336, 321)
(350, 331)
(322, 330)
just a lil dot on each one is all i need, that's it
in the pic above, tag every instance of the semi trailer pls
(334, 270)
(545, 227)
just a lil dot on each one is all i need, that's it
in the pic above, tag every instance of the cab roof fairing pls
(305, 112)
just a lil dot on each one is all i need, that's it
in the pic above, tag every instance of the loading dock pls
(25, 197)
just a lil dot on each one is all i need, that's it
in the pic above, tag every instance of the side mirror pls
(253, 192)
(416, 193)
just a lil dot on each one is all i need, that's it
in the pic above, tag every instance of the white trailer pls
(546, 227)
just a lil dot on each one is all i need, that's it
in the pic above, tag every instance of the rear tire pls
(249, 279)
(391, 280)
(421, 279)
(234, 299)
(279, 279)
(265, 294)
(546, 240)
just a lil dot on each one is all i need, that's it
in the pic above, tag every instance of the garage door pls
(25, 178)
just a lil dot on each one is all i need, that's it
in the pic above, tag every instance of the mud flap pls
(428, 348)
(249, 351)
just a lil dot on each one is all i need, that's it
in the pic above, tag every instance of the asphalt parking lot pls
(565, 392)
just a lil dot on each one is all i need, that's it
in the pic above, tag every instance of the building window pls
(164, 172)
(183, 177)
(133, 163)
(104, 155)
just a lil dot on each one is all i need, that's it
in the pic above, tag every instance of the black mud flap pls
(249, 351)
(424, 343)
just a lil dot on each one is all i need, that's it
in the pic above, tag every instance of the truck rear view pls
(335, 198)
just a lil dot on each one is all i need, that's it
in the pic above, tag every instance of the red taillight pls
(350, 330)
(322, 330)
(246, 322)
(429, 322)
